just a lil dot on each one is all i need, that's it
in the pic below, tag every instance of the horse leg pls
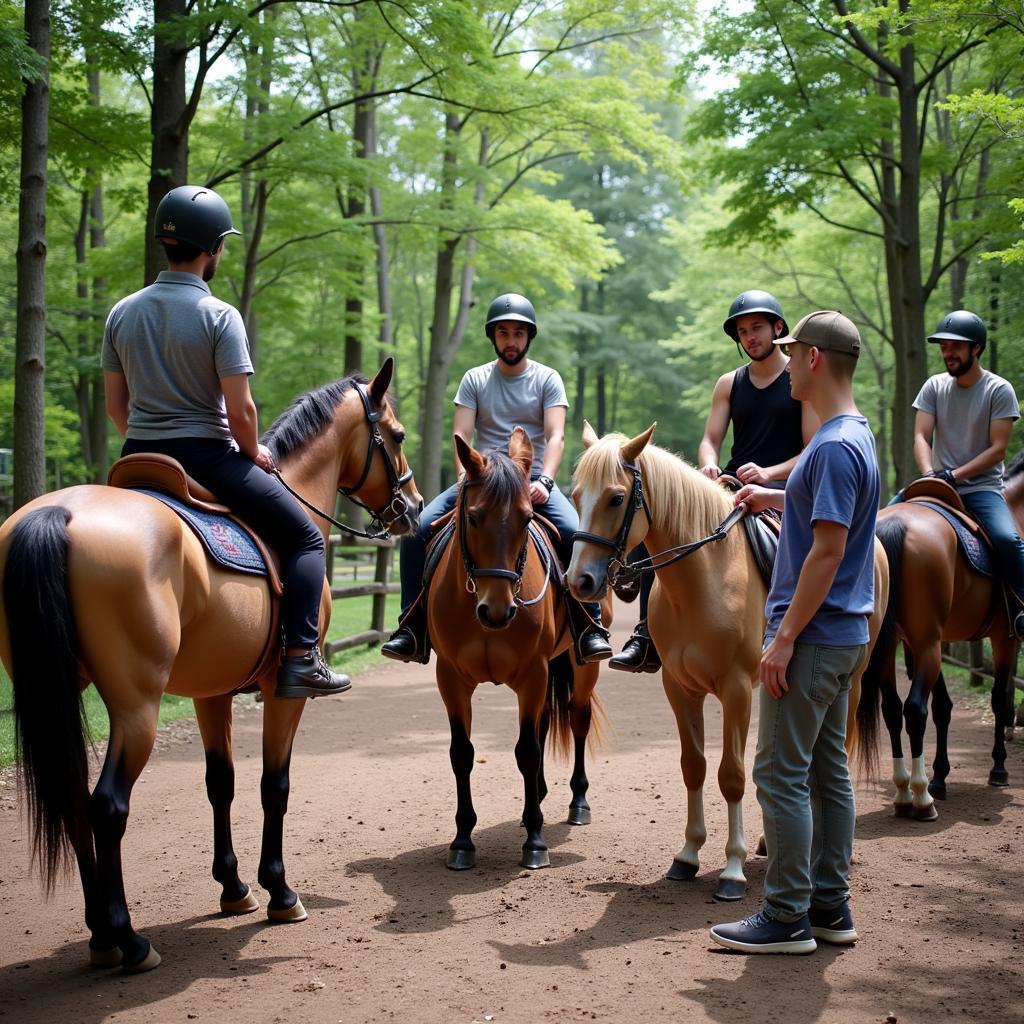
(1004, 657)
(689, 712)
(535, 851)
(458, 703)
(735, 697)
(280, 722)
(581, 715)
(542, 782)
(892, 715)
(213, 714)
(129, 747)
(927, 666)
(942, 712)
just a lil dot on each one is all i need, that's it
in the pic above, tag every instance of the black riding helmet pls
(961, 325)
(193, 214)
(511, 306)
(753, 301)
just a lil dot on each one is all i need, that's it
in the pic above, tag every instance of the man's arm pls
(816, 577)
(463, 424)
(715, 428)
(116, 397)
(554, 449)
(243, 420)
(924, 429)
(751, 473)
(998, 438)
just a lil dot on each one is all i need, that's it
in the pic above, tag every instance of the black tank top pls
(766, 422)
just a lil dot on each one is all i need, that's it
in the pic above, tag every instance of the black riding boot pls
(638, 653)
(589, 637)
(410, 641)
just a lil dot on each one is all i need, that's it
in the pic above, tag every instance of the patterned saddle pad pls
(975, 548)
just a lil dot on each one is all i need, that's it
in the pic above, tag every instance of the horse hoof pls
(681, 871)
(246, 905)
(761, 850)
(534, 859)
(461, 860)
(287, 915)
(729, 890)
(579, 815)
(937, 790)
(929, 813)
(105, 957)
(998, 778)
(152, 960)
(902, 810)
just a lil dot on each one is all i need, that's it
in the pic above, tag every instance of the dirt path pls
(393, 936)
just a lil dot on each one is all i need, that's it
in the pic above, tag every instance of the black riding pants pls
(260, 500)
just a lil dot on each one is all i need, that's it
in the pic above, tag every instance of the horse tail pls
(559, 703)
(892, 533)
(50, 732)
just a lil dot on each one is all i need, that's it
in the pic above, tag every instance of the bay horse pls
(706, 612)
(109, 586)
(935, 595)
(496, 613)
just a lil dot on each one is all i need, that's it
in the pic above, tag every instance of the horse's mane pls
(684, 503)
(308, 416)
(1016, 466)
(502, 480)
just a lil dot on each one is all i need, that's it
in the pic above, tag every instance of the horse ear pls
(520, 450)
(590, 437)
(472, 461)
(631, 449)
(380, 384)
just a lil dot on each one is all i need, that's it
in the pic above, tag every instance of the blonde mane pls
(685, 504)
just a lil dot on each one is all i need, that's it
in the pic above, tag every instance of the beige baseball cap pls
(826, 329)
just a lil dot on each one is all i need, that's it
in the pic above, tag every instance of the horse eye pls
(617, 500)
(471, 519)
(400, 437)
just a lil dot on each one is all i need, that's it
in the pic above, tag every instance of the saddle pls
(762, 531)
(943, 498)
(225, 538)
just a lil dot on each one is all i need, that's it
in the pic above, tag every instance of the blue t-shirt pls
(835, 479)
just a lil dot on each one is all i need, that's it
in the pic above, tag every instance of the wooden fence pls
(359, 557)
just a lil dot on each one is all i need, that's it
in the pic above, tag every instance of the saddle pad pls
(977, 551)
(227, 543)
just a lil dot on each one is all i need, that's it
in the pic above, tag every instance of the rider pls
(491, 400)
(769, 426)
(176, 371)
(968, 413)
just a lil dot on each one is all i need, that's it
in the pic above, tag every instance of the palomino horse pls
(934, 596)
(109, 586)
(706, 613)
(495, 614)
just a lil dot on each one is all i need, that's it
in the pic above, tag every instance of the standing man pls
(769, 430)
(961, 431)
(492, 399)
(176, 372)
(816, 638)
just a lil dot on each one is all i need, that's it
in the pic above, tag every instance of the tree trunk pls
(30, 332)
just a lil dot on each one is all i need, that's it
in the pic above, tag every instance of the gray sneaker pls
(308, 675)
(761, 934)
(833, 925)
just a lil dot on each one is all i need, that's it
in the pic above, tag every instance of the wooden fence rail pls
(379, 588)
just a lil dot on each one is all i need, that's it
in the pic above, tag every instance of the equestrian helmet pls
(961, 325)
(193, 214)
(753, 301)
(511, 306)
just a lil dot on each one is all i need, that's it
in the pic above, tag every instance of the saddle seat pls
(762, 532)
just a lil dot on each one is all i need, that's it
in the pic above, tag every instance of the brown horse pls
(109, 586)
(706, 613)
(935, 596)
(496, 614)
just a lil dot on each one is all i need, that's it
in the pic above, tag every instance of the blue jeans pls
(990, 509)
(803, 782)
(557, 508)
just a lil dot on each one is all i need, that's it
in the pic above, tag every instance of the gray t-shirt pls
(503, 402)
(173, 341)
(963, 417)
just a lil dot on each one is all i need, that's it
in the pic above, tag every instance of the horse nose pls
(491, 621)
(586, 585)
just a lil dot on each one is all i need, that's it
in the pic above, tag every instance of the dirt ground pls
(600, 935)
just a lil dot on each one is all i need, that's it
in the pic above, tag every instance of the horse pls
(496, 612)
(935, 595)
(706, 613)
(109, 586)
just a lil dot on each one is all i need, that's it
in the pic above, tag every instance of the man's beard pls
(965, 367)
(211, 269)
(520, 356)
(764, 355)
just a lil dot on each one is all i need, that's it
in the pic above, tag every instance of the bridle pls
(515, 575)
(619, 571)
(381, 520)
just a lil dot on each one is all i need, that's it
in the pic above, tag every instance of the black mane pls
(502, 481)
(308, 416)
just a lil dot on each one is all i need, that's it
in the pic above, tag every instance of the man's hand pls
(264, 459)
(774, 663)
(944, 474)
(751, 473)
(539, 494)
(711, 472)
(756, 498)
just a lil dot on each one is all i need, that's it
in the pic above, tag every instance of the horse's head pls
(607, 495)
(494, 511)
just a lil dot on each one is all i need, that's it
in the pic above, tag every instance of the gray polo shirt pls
(173, 341)
(963, 418)
(503, 402)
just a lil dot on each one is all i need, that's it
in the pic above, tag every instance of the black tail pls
(560, 682)
(50, 732)
(892, 532)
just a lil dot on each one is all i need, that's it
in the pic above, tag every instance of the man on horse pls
(492, 399)
(816, 638)
(961, 432)
(769, 430)
(176, 370)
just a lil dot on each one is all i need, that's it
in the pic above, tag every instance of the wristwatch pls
(547, 482)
